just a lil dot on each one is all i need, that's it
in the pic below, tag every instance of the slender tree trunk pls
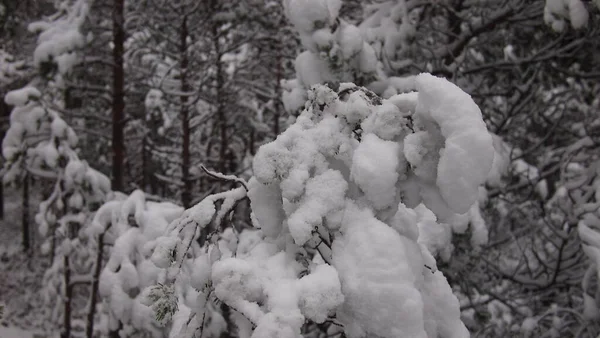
(5, 115)
(66, 329)
(222, 122)
(25, 215)
(95, 282)
(278, 105)
(118, 103)
(1, 197)
(186, 195)
(145, 168)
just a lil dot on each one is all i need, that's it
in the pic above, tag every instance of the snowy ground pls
(12, 332)
(20, 275)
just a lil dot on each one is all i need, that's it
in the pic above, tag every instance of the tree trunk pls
(278, 104)
(118, 103)
(5, 111)
(95, 282)
(1, 197)
(66, 329)
(145, 168)
(186, 195)
(25, 215)
(222, 121)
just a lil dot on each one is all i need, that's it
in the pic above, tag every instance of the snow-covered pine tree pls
(335, 199)
(40, 143)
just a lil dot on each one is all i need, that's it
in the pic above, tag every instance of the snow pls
(311, 70)
(388, 122)
(21, 97)
(319, 291)
(293, 96)
(352, 167)
(466, 159)
(436, 237)
(267, 207)
(305, 15)
(12, 332)
(137, 251)
(324, 195)
(375, 170)
(9, 68)
(153, 99)
(378, 280)
(350, 40)
(556, 12)
(61, 36)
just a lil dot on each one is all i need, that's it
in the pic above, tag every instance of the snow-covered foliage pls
(338, 51)
(60, 36)
(38, 139)
(132, 224)
(156, 115)
(340, 198)
(587, 207)
(10, 69)
(40, 143)
(62, 220)
(558, 12)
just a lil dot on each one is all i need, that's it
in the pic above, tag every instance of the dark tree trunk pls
(278, 105)
(222, 121)
(95, 281)
(1, 198)
(186, 195)
(4, 115)
(66, 329)
(145, 168)
(25, 215)
(118, 103)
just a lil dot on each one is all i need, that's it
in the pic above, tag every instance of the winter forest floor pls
(21, 275)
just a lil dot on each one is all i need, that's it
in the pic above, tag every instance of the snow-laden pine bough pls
(338, 201)
(40, 143)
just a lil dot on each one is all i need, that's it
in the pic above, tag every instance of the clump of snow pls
(131, 273)
(379, 279)
(443, 110)
(59, 38)
(375, 169)
(21, 97)
(556, 12)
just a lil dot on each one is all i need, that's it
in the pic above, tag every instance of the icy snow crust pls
(348, 224)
